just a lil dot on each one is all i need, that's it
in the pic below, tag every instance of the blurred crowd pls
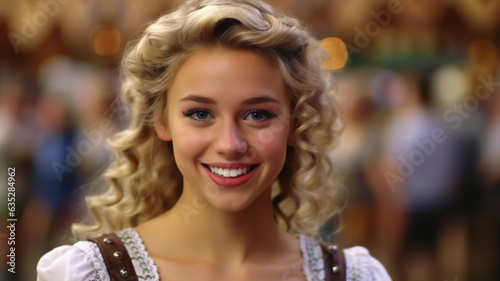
(422, 171)
(419, 160)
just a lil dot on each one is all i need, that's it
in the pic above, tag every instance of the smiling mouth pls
(230, 173)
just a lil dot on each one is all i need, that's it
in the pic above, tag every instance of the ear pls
(162, 130)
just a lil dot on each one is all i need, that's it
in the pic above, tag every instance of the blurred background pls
(418, 82)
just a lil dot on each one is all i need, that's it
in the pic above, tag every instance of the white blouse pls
(83, 262)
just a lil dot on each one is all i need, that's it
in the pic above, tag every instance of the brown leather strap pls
(116, 257)
(335, 267)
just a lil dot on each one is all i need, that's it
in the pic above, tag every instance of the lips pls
(230, 175)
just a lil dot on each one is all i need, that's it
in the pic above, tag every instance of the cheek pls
(188, 143)
(272, 140)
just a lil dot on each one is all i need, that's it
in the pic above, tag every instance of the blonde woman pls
(221, 174)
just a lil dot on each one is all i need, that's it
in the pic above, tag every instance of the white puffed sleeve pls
(80, 262)
(361, 266)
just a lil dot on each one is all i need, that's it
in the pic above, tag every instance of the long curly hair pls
(143, 185)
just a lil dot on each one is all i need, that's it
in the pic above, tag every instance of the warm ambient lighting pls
(107, 41)
(338, 53)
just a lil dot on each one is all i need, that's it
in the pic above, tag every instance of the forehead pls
(219, 70)
(216, 58)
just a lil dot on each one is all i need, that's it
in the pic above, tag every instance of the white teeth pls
(228, 173)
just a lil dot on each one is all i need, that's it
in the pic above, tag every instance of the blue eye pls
(198, 114)
(259, 115)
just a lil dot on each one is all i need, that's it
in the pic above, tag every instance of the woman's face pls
(227, 116)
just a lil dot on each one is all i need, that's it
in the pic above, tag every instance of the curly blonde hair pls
(142, 185)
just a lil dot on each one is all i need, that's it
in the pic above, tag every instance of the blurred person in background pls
(452, 90)
(419, 165)
(490, 177)
(49, 206)
(483, 57)
(17, 141)
(69, 152)
(490, 148)
(487, 219)
(353, 160)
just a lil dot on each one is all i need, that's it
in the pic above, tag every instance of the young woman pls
(222, 173)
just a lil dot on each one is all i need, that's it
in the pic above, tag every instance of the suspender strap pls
(335, 267)
(120, 267)
(116, 257)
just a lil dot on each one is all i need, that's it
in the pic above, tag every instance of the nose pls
(230, 141)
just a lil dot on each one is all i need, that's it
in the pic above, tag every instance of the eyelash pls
(191, 112)
(268, 115)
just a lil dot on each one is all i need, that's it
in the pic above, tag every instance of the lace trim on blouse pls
(313, 266)
(313, 259)
(144, 266)
(359, 263)
(57, 264)
(147, 270)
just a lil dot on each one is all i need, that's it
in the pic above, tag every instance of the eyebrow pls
(255, 100)
(262, 99)
(199, 99)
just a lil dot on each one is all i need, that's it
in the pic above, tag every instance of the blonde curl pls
(143, 185)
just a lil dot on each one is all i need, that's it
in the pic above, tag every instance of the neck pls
(222, 236)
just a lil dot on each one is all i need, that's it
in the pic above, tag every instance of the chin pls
(231, 208)
(232, 205)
